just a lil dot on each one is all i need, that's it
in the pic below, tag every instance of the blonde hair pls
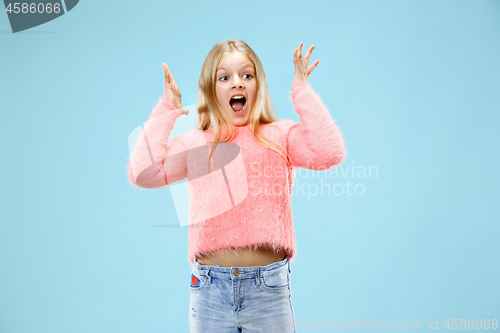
(212, 115)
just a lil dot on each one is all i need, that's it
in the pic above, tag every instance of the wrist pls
(163, 106)
(299, 85)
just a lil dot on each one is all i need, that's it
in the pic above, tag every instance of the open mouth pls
(238, 104)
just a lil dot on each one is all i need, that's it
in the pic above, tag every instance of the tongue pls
(237, 105)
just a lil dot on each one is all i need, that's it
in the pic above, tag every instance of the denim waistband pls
(242, 272)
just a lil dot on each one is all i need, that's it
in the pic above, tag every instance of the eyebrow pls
(247, 65)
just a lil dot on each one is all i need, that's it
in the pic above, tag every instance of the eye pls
(223, 76)
(249, 76)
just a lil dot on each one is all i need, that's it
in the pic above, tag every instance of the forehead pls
(235, 60)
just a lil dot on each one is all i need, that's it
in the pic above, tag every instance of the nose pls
(236, 83)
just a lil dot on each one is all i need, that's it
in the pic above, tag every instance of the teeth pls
(238, 97)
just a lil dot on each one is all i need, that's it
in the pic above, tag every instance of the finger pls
(171, 78)
(295, 58)
(308, 55)
(312, 67)
(165, 70)
(166, 83)
(299, 66)
(171, 75)
(174, 83)
(296, 61)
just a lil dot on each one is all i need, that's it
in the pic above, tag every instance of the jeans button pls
(236, 272)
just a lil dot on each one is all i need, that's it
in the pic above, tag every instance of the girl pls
(240, 163)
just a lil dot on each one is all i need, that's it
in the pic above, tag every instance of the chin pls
(240, 123)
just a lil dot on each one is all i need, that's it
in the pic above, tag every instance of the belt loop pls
(208, 276)
(289, 270)
(258, 275)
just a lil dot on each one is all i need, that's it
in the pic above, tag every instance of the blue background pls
(413, 85)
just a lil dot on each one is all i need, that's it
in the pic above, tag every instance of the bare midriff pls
(245, 257)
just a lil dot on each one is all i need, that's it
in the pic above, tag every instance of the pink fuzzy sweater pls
(244, 199)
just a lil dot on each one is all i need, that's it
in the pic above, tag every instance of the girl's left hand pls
(302, 72)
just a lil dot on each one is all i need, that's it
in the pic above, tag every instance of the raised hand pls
(302, 72)
(171, 90)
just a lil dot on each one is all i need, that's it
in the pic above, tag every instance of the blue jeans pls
(241, 299)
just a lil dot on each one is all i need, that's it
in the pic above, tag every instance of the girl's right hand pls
(171, 90)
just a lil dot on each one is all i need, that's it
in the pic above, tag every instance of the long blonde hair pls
(212, 115)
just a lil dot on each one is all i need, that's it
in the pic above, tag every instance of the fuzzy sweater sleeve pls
(152, 162)
(317, 142)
